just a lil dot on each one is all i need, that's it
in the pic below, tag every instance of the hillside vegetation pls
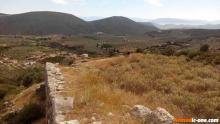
(185, 89)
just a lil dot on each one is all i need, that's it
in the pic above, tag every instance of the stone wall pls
(57, 105)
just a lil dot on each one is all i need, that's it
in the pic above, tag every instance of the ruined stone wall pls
(57, 105)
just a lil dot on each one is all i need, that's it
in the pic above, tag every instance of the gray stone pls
(97, 122)
(161, 116)
(140, 111)
(60, 87)
(64, 103)
(59, 118)
(70, 122)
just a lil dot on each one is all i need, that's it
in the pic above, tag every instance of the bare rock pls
(97, 122)
(85, 55)
(93, 118)
(63, 103)
(140, 111)
(110, 114)
(161, 116)
(70, 122)
(59, 118)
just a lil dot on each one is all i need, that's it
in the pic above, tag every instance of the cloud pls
(154, 2)
(64, 2)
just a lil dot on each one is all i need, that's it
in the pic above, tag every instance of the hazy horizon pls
(143, 9)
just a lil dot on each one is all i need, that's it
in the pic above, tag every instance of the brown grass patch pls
(186, 89)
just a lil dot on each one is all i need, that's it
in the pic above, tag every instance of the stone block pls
(63, 103)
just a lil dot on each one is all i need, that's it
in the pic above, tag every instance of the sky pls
(147, 9)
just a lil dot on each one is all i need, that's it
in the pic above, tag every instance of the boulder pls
(97, 122)
(158, 116)
(140, 111)
(161, 116)
(70, 122)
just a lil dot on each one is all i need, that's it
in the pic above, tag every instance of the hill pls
(2, 14)
(121, 26)
(184, 88)
(43, 23)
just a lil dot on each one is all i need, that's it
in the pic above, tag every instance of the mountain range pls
(171, 23)
(172, 26)
(2, 14)
(44, 23)
(174, 21)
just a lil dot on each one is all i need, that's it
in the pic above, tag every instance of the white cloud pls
(60, 1)
(154, 2)
(64, 2)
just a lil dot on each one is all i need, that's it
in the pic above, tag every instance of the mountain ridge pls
(47, 22)
(119, 25)
(43, 22)
(178, 21)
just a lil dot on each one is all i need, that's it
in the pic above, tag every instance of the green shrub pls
(193, 53)
(204, 48)
(139, 50)
(67, 61)
(169, 51)
(10, 118)
(27, 115)
(30, 113)
(182, 52)
(107, 46)
(59, 59)
(190, 53)
(32, 75)
(56, 59)
(41, 93)
(217, 60)
(91, 37)
(2, 94)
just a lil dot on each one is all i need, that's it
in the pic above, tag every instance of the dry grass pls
(185, 89)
